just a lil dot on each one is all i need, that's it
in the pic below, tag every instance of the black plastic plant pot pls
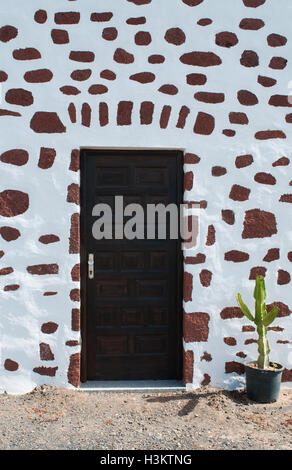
(263, 385)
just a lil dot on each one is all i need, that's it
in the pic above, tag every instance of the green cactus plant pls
(262, 320)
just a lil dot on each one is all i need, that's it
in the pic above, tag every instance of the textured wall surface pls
(207, 76)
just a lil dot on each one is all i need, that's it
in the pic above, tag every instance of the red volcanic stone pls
(164, 117)
(283, 161)
(231, 312)
(19, 97)
(82, 56)
(205, 124)
(198, 259)
(252, 24)
(11, 287)
(73, 193)
(3, 76)
(43, 269)
(192, 3)
(46, 352)
(229, 132)
(218, 171)
(205, 277)
(49, 371)
(211, 236)
(238, 118)
(143, 38)
(286, 198)
(75, 160)
(249, 59)
(265, 178)
(136, 21)
(253, 3)
(200, 59)
(73, 373)
(74, 241)
(60, 36)
(188, 367)
(75, 321)
(283, 309)
(226, 39)
(239, 193)
(247, 98)
(283, 277)
(207, 97)
(228, 216)
(47, 158)
(196, 79)
(49, 327)
(272, 255)
(146, 112)
(265, 135)
(156, 59)
(10, 365)
(276, 40)
(103, 114)
(257, 271)
(7, 33)
(280, 100)
(123, 57)
(67, 17)
(196, 327)
(38, 76)
(29, 53)
(13, 203)
(47, 123)
(108, 75)
(206, 357)
(97, 89)
(204, 22)
(183, 114)
(236, 256)
(81, 75)
(143, 77)
(17, 157)
(101, 17)
(70, 90)
(40, 16)
(75, 273)
(278, 63)
(168, 89)
(234, 366)
(6, 271)
(110, 34)
(188, 180)
(124, 113)
(230, 341)
(266, 81)
(86, 115)
(259, 224)
(175, 36)
(188, 286)
(9, 233)
(191, 158)
(47, 239)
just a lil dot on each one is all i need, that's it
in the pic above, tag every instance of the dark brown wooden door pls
(131, 309)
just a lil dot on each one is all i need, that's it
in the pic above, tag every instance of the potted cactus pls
(263, 378)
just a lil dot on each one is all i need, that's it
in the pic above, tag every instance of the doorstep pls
(132, 386)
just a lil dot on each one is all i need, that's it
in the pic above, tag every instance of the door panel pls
(131, 309)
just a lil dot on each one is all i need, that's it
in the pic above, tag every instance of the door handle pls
(90, 263)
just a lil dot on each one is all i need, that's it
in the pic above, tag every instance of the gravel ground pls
(207, 418)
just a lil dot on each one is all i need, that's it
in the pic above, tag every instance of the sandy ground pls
(207, 418)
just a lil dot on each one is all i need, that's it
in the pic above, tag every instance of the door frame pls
(83, 252)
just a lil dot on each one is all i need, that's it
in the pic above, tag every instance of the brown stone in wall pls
(43, 269)
(198, 259)
(47, 158)
(49, 327)
(11, 287)
(249, 59)
(288, 118)
(206, 357)
(283, 309)
(276, 40)
(211, 236)
(229, 132)
(243, 161)
(200, 59)
(188, 180)
(86, 115)
(48, 294)
(143, 38)
(272, 255)
(218, 171)
(236, 256)
(196, 327)
(239, 193)
(72, 343)
(196, 79)
(47, 123)
(247, 328)
(103, 114)
(11, 365)
(164, 117)
(136, 21)
(97, 89)
(283, 277)
(46, 352)
(238, 118)
(228, 216)
(183, 114)
(46, 239)
(286, 198)
(108, 75)
(7, 112)
(146, 112)
(6, 271)
(231, 312)
(188, 367)
(259, 224)
(29, 53)
(1, 253)
(75, 160)
(287, 375)
(3, 76)
(9, 234)
(19, 96)
(82, 56)
(175, 36)
(234, 366)
(73, 193)
(60, 36)
(205, 124)
(247, 98)
(252, 24)
(226, 39)
(74, 241)
(204, 22)
(168, 89)
(75, 295)
(283, 161)
(187, 286)
(280, 100)
(110, 34)
(101, 17)
(143, 77)
(265, 135)
(74, 370)
(205, 277)
(266, 81)
(206, 380)
(40, 16)
(49, 371)
(191, 158)
(124, 113)
(208, 97)
(81, 75)
(156, 59)
(192, 3)
(230, 341)
(70, 90)
(289, 256)
(17, 157)
(75, 273)
(257, 271)
(265, 178)
(253, 3)
(7, 33)
(13, 203)
(278, 63)
(67, 17)
(75, 322)
(38, 76)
